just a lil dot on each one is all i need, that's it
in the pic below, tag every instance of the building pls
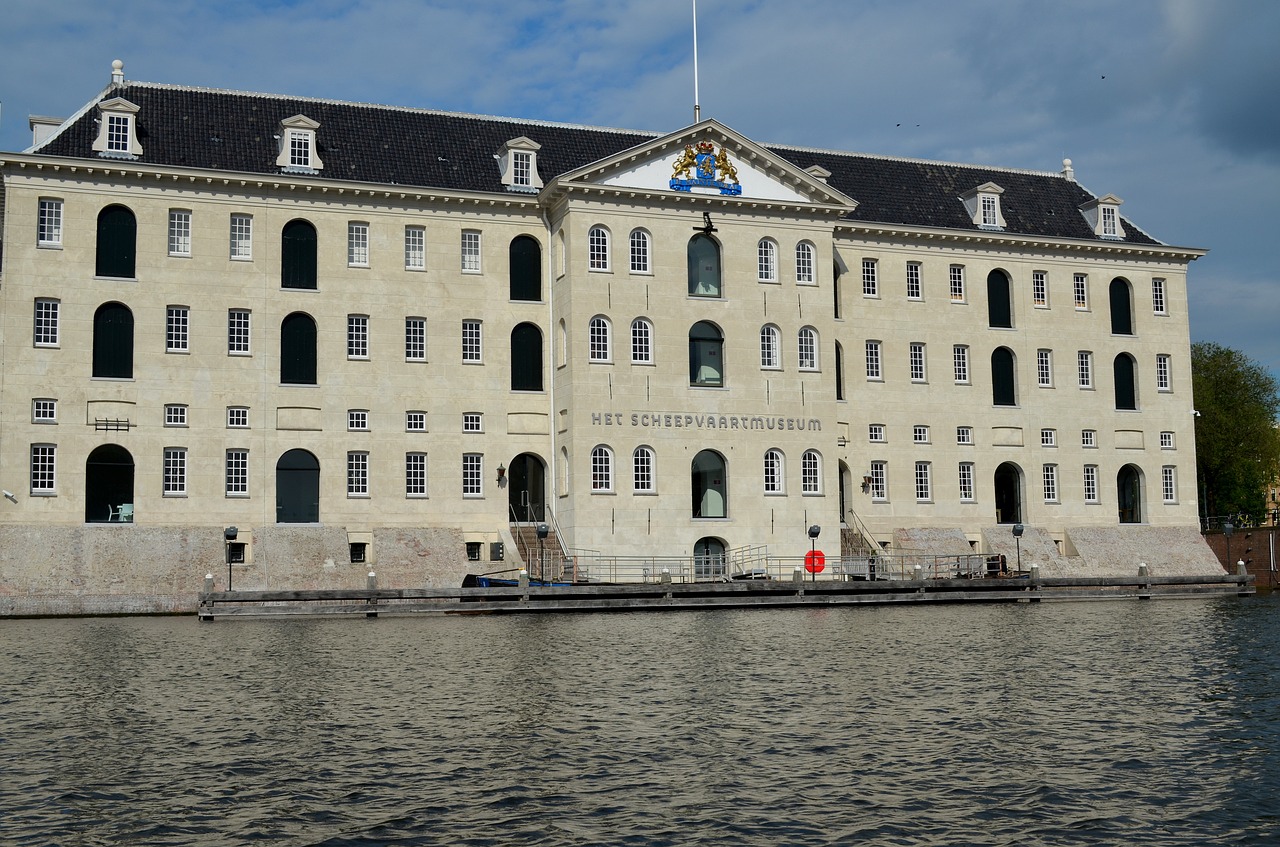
(368, 336)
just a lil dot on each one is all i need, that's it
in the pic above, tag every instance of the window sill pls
(49, 246)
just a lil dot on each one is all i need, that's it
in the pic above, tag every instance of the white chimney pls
(117, 72)
(42, 127)
(1067, 170)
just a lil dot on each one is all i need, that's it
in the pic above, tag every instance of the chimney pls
(117, 72)
(42, 128)
(1067, 170)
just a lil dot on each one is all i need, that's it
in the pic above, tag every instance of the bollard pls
(1243, 573)
(1241, 570)
(206, 604)
(665, 579)
(1144, 590)
(208, 583)
(797, 578)
(372, 584)
(1034, 573)
(523, 579)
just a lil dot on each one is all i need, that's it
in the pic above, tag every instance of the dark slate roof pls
(235, 131)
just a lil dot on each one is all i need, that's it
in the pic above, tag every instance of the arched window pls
(526, 358)
(525, 266)
(601, 469)
(706, 346)
(770, 347)
(562, 349)
(708, 485)
(640, 261)
(598, 340)
(1126, 382)
(811, 472)
(807, 349)
(113, 341)
(598, 249)
(643, 476)
(641, 342)
(298, 255)
(298, 350)
(117, 243)
(1121, 307)
(767, 260)
(774, 472)
(835, 290)
(999, 305)
(704, 266)
(805, 274)
(1004, 386)
(839, 371)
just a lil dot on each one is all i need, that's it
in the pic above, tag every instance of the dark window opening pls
(298, 255)
(704, 266)
(235, 552)
(1121, 307)
(999, 305)
(473, 551)
(1126, 384)
(113, 341)
(1004, 390)
(298, 350)
(525, 260)
(117, 243)
(359, 551)
(526, 358)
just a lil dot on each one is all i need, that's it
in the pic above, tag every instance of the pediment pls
(708, 159)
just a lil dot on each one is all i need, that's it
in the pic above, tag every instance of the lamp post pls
(1017, 539)
(228, 535)
(543, 531)
(1227, 529)
(814, 532)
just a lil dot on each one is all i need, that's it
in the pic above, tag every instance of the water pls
(1054, 724)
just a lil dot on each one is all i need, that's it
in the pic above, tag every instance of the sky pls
(1172, 105)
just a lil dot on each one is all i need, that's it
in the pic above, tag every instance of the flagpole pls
(697, 110)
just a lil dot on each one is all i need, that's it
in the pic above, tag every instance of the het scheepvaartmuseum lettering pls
(678, 420)
(703, 167)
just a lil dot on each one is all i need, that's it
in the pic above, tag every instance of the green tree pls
(1237, 443)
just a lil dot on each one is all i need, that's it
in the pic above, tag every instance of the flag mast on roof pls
(697, 110)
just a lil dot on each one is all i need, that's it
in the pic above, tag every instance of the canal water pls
(1136, 723)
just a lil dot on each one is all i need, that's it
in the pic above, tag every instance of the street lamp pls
(814, 532)
(228, 535)
(1227, 529)
(1017, 538)
(543, 531)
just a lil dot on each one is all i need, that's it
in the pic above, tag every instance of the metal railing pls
(756, 563)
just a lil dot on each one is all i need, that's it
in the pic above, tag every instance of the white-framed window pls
(241, 238)
(521, 167)
(357, 244)
(810, 472)
(357, 336)
(358, 420)
(770, 347)
(870, 278)
(357, 473)
(237, 473)
(805, 264)
(299, 148)
(49, 223)
(601, 469)
(46, 322)
(472, 474)
(879, 486)
(807, 349)
(640, 261)
(641, 342)
(643, 477)
(960, 363)
(966, 481)
(1039, 289)
(955, 277)
(44, 410)
(415, 248)
(1050, 477)
(119, 130)
(1084, 368)
(916, 356)
(924, 482)
(1088, 438)
(415, 474)
(1048, 437)
(175, 414)
(175, 471)
(179, 232)
(472, 422)
(876, 433)
(1044, 368)
(471, 341)
(415, 421)
(237, 417)
(964, 435)
(914, 289)
(1091, 483)
(598, 249)
(1110, 221)
(1080, 290)
(44, 466)
(598, 340)
(470, 251)
(920, 434)
(177, 334)
(990, 204)
(238, 325)
(1158, 304)
(415, 339)
(766, 261)
(774, 472)
(1163, 378)
(874, 370)
(1166, 440)
(1169, 483)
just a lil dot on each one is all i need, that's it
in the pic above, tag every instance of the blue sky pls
(1173, 105)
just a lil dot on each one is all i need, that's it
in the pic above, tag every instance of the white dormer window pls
(518, 164)
(983, 205)
(117, 130)
(1103, 216)
(298, 146)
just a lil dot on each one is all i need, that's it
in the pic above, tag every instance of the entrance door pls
(1008, 481)
(1129, 489)
(526, 489)
(709, 559)
(108, 484)
(298, 488)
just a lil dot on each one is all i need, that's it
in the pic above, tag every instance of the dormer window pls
(1103, 216)
(518, 164)
(983, 206)
(298, 146)
(117, 130)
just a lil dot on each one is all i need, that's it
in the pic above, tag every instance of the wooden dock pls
(373, 602)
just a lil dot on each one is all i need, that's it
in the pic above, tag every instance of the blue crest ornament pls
(699, 167)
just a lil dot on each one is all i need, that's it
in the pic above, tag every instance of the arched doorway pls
(1129, 491)
(709, 561)
(708, 485)
(1121, 307)
(527, 489)
(298, 488)
(1008, 484)
(108, 484)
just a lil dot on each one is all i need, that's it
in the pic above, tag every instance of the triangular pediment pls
(709, 160)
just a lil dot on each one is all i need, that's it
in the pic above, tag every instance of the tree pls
(1237, 443)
